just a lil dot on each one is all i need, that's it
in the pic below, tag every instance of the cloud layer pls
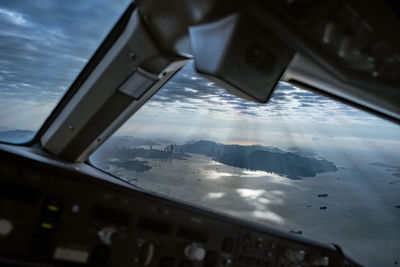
(190, 92)
(44, 44)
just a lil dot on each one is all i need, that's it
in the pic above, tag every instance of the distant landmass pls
(303, 151)
(212, 149)
(262, 158)
(133, 154)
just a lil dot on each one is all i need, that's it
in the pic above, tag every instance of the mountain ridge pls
(256, 157)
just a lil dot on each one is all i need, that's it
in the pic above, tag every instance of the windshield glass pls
(44, 44)
(303, 163)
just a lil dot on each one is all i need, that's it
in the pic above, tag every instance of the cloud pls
(304, 105)
(44, 44)
(12, 17)
(189, 89)
(50, 42)
(249, 113)
(204, 104)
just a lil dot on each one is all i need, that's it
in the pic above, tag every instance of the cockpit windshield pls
(303, 163)
(44, 44)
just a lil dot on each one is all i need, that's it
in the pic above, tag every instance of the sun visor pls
(240, 55)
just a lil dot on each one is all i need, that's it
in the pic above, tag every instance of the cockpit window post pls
(103, 101)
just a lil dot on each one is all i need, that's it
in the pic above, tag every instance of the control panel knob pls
(295, 255)
(146, 253)
(107, 235)
(226, 262)
(195, 252)
(6, 227)
(321, 261)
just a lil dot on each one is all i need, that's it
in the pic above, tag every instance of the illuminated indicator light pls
(53, 208)
(75, 208)
(47, 225)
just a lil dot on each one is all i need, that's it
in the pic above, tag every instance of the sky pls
(190, 107)
(44, 44)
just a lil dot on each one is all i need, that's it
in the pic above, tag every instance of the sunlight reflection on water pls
(216, 194)
(268, 215)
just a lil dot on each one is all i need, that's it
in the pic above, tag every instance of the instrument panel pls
(55, 216)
